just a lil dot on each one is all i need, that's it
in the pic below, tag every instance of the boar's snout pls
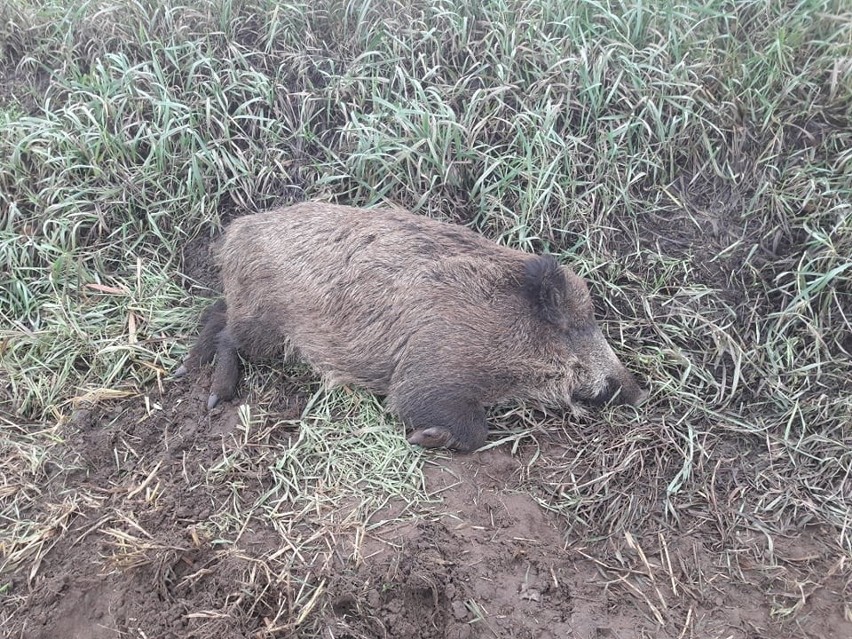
(617, 390)
(603, 379)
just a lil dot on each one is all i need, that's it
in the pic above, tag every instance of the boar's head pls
(564, 311)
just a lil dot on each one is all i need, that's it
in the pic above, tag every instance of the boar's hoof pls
(180, 371)
(437, 437)
(432, 438)
(212, 401)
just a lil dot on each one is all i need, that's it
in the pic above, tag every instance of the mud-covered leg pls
(444, 419)
(213, 321)
(226, 374)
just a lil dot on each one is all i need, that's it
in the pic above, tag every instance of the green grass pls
(338, 467)
(692, 160)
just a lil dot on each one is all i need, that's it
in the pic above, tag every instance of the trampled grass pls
(691, 160)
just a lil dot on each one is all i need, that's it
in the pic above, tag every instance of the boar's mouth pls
(614, 393)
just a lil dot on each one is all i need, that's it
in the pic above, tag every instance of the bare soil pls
(488, 561)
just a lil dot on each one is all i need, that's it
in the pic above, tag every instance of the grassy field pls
(692, 160)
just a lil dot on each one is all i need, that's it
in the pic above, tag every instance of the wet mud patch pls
(418, 591)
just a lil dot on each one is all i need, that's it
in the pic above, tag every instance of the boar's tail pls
(213, 322)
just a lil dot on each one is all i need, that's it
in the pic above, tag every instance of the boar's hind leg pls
(226, 374)
(446, 421)
(213, 321)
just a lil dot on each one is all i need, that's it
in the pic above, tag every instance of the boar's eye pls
(545, 285)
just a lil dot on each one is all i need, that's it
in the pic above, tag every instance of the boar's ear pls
(545, 285)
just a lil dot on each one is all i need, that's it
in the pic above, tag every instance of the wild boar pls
(435, 317)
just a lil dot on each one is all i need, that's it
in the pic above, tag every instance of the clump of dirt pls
(418, 592)
(161, 598)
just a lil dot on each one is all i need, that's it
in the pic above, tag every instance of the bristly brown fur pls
(434, 316)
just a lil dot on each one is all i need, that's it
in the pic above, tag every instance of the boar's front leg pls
(226, 373)
(442, 418)
(215, 340)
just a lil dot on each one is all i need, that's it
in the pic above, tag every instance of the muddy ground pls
(145, 545)
(485, 560)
